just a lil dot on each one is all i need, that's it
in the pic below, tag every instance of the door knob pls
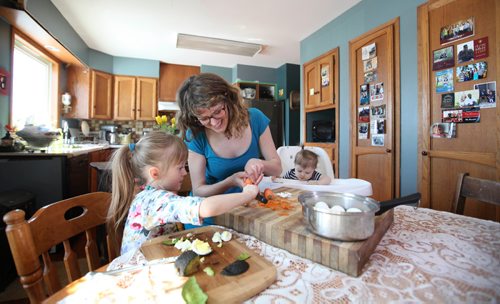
(424, 153)
(388, 150)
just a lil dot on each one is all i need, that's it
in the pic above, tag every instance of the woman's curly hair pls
(204, 91)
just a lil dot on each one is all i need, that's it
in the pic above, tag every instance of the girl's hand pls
(254, 169)
(251, 190)
(238, 179)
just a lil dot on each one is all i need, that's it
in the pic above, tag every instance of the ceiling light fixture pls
(201, 43)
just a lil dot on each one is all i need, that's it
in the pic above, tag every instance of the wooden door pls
(476, 147)
(311, 90)
(124, 98)
(171, 78)
(375, 157)
(78, 86)
(146, 99)
(101, 95)
(325, 83)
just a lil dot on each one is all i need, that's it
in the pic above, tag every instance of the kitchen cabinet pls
(77, 175)
(94, 179)
(320, 114)
(91, 93)
(171, 78)
(258, 90)
(321, 81)
(135, 98)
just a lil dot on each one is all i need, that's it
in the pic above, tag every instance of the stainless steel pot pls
(348, 226)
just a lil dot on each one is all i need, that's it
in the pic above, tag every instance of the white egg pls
(321, 205)
(216, 237)
(337, 209)
(353, 209)
(226, 236)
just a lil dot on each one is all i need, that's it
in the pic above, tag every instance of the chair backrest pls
(483, 190)
(52, 225)
(287, 156)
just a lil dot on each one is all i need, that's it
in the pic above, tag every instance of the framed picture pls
(487, 94)
(368, 51)
(458, 30)
(443, 58)
(473, 71)
(466, 98)
(444, 81)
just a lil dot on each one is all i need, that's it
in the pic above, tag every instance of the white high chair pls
(287, 156)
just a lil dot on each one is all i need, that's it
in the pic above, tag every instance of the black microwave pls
(323, 131)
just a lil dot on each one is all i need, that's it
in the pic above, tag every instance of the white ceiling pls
(148, 29)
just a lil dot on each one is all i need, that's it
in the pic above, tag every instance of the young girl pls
(306, 162)
(158, 161)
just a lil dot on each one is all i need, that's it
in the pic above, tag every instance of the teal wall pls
(136, 67)
(254, 73)
(288, 79)
(226, 73)
(4, 64)
(361, 18)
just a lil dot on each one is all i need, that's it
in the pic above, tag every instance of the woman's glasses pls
(217, 114)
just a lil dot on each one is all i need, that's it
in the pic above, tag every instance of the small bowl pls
(348, 226)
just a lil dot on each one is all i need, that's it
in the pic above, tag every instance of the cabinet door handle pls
(388, 150)
(424, 153)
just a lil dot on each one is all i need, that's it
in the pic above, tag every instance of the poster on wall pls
(443, 58)
(443, 130)
(473, 71)
(368, 51)
(487, 94)
(364, 94)
(4, 81)
(458, 30)
(444, 81)
(363, 131)
(467, 98)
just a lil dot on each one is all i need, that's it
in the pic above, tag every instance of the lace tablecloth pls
(425, 256)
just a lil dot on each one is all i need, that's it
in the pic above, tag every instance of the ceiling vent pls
(209, 44)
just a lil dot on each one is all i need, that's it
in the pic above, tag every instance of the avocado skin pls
(236, 268)
(187, 263)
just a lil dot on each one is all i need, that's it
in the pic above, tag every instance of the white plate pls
(85, 128)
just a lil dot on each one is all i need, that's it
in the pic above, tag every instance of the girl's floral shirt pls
(153, 212)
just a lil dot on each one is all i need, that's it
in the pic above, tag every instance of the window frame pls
(55, 88)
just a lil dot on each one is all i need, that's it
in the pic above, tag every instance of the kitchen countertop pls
(63, 150)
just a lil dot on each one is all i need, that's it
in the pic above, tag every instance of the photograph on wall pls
(443, 130)
(377, 91)
(467, 98)
(378, 140)
(363, 131)
(473, 71)
(377, 126)
(448, 100)
(463, 115)
(370, 64)
(487, 94)
(325, 78)
(363, 114)
(368, 51)
(364, 94)
(443, 58)
(481, 48)
(444, 81)
(465, 51)
(458, 30)
(378, 112)
(371, 76)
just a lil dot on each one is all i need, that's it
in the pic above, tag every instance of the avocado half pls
(187, 263)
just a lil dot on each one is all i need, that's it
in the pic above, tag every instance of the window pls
(34, 85)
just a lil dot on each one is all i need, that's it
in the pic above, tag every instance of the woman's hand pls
(254, 169)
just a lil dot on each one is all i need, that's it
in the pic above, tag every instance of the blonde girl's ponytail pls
(123, 185)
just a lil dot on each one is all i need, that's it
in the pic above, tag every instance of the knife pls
(136, 267)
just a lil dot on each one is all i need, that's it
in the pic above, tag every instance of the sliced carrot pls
(269, 194)
(248, 181)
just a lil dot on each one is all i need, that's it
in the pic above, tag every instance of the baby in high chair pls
(306, 163)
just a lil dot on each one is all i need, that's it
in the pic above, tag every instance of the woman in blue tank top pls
(227, 142)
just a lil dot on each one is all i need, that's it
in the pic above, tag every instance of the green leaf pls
(243, 256)
(192, 292)
(170, 242)
(209, 271)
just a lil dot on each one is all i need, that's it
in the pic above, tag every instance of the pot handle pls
(412, 199)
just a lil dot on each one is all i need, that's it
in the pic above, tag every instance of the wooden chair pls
(30, 241)
(484, 190)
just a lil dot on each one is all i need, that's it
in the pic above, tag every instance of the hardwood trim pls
(333, 51)
(370, 150)
(487, 159)
(397, 111)
(423, 169)
(433, 4)
(498, 95)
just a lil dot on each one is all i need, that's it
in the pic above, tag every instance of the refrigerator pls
(274, 110)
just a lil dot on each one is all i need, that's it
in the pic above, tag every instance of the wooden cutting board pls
(289, 231)
(219, 288)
